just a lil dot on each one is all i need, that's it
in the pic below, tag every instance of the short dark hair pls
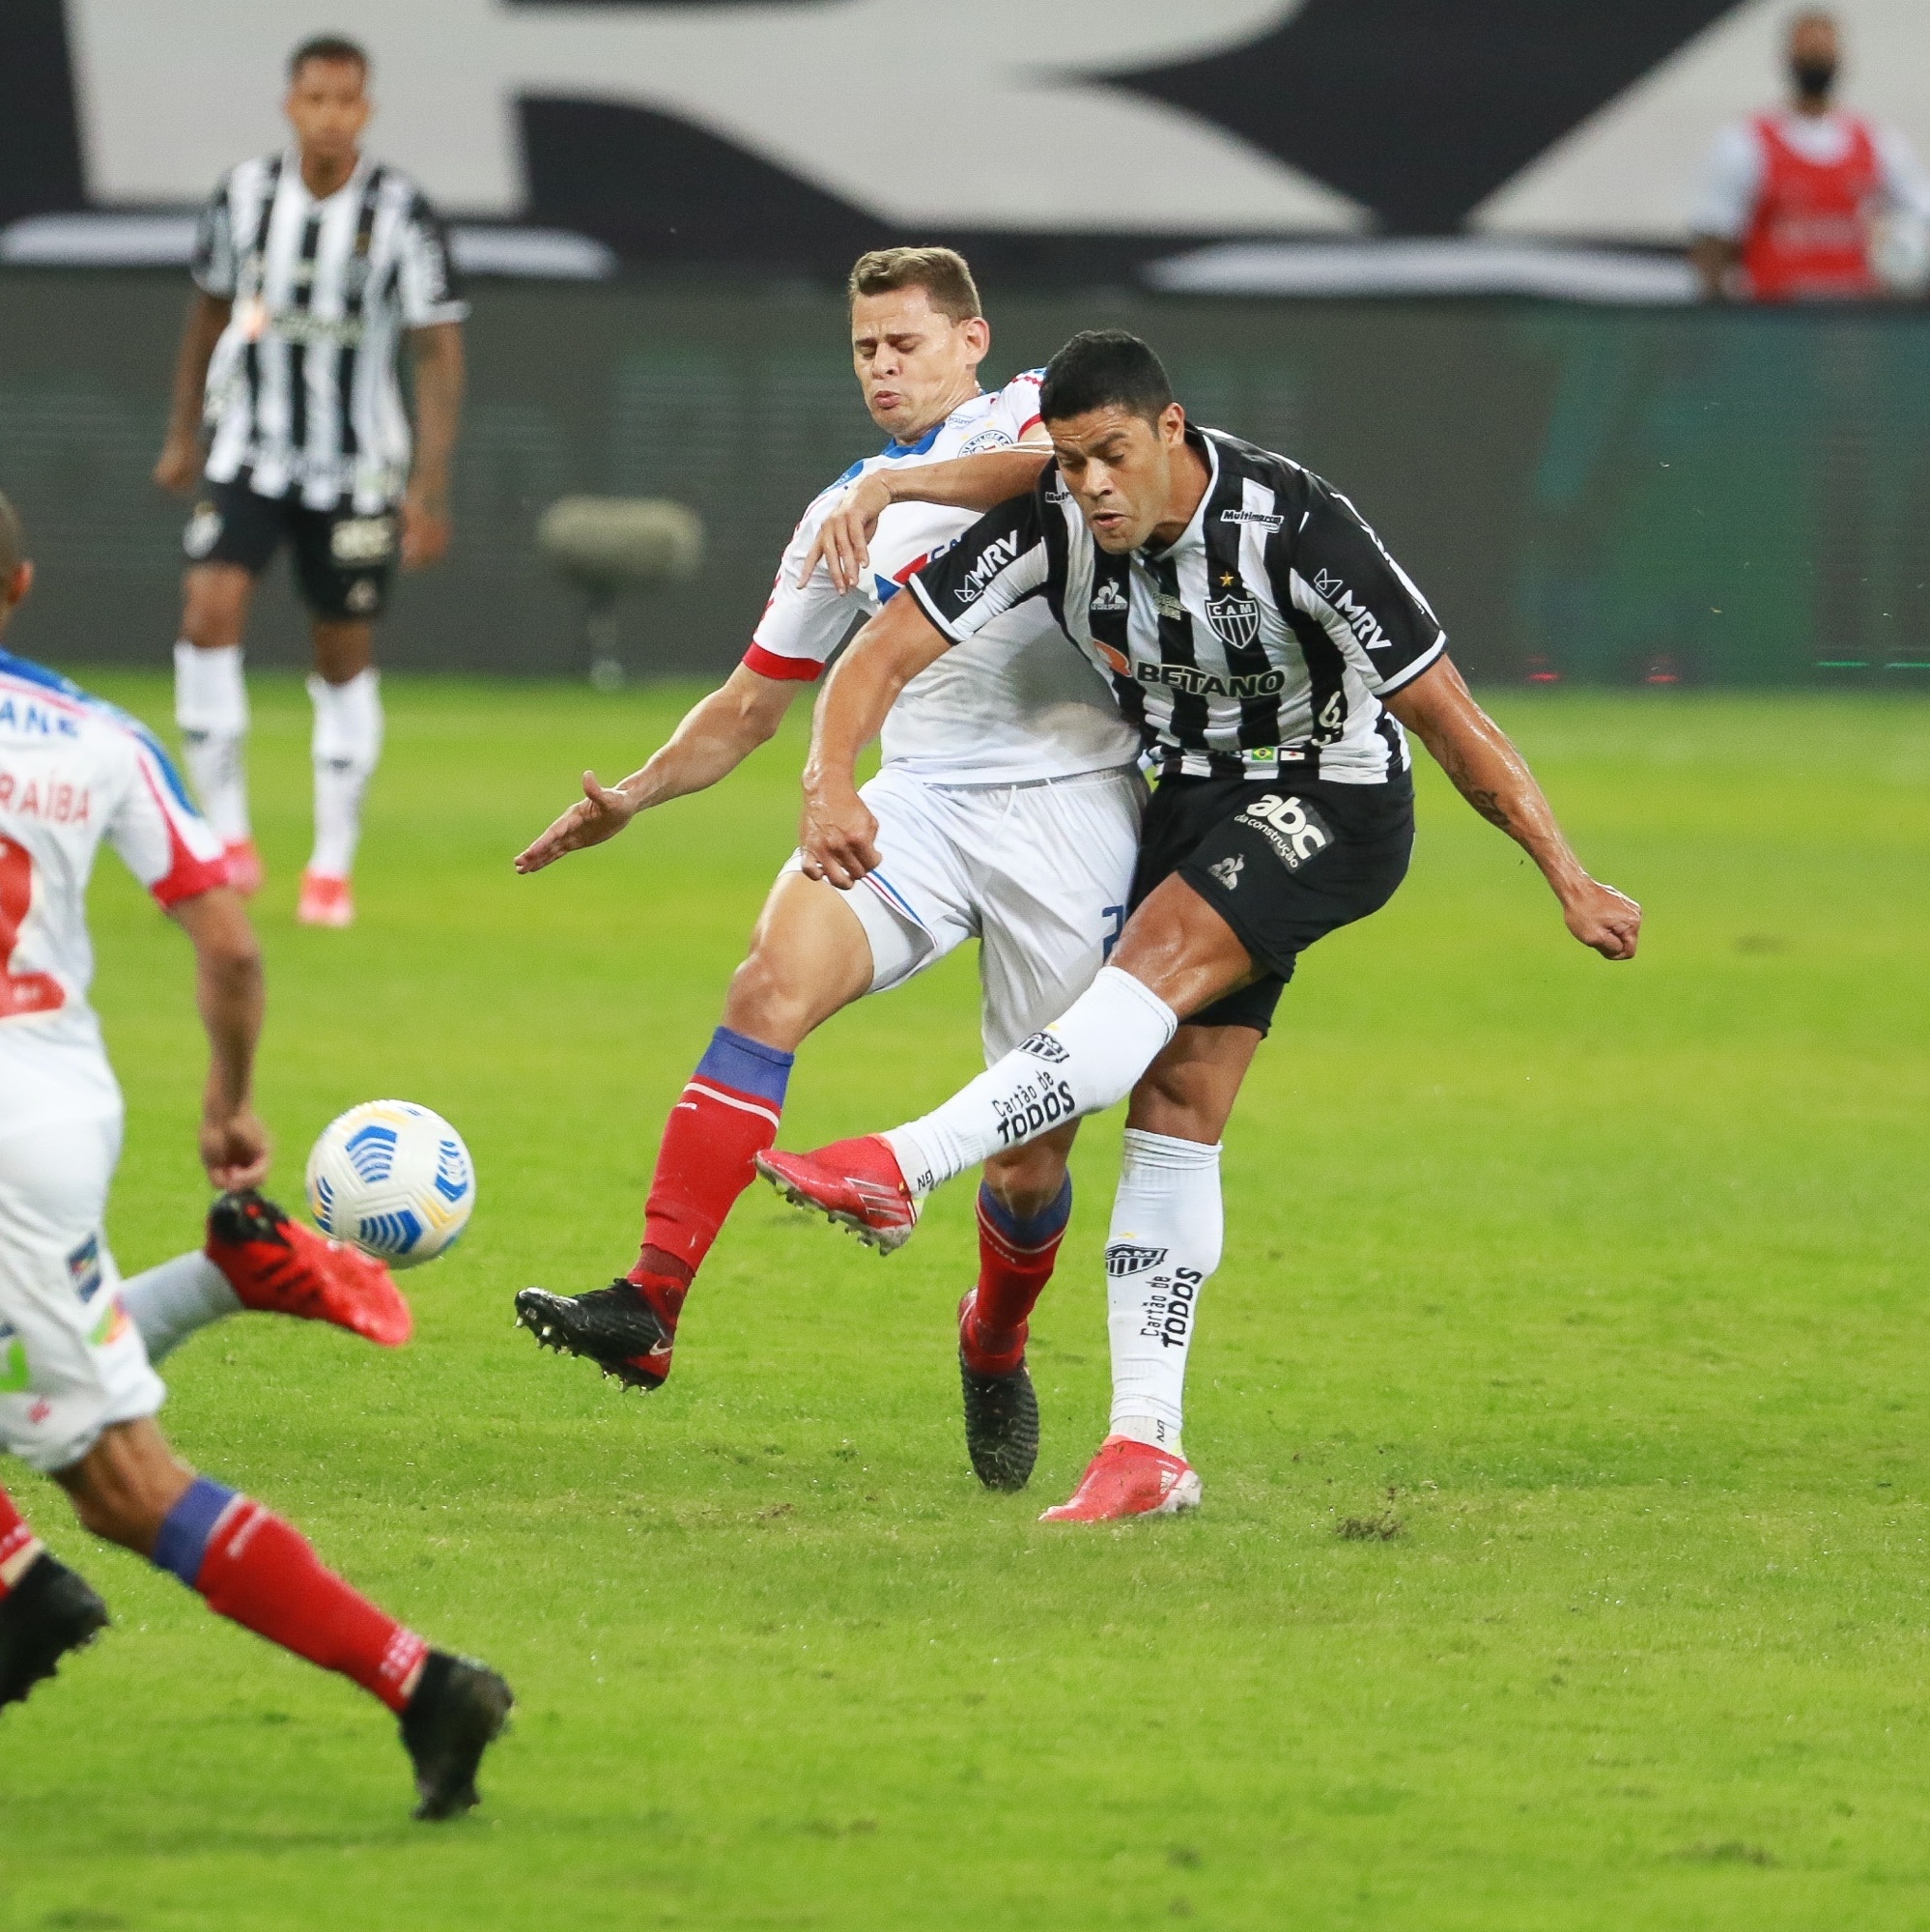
(13, 541)
(326, 47)
(943, 273)
(1100, 369)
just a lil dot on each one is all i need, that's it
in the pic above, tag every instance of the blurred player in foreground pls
(77, 1392)
(310, 265)
(1009, 811)
(1265, 642)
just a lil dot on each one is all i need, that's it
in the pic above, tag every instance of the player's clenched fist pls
(234, 1147)
(601, 812)
(1608, 921)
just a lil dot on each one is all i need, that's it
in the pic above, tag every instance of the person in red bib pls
(1810, 203)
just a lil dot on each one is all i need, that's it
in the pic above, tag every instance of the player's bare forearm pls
(1493, 777)
(440, 381)
(962, 483)
(716, 736)
(1713, 260)
(180, 463)
(838, 832)
(231, 993)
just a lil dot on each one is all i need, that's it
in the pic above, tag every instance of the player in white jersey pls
(78, 1390)
(1009, 803)
(311, 267)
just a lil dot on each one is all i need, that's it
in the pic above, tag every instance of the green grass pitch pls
(1601, 1289)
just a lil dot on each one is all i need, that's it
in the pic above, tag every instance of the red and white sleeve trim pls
(768, 664)
(189, 873)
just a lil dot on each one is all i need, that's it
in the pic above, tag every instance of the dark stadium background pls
(1601, 491)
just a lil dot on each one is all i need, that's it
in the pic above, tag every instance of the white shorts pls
(1037, 873)
(71, 1361)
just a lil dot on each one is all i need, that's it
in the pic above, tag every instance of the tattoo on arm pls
(1484, 800)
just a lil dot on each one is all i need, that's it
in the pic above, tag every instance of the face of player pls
(328, 106)
(915, 364)
(1815, 53)
(1122, 471)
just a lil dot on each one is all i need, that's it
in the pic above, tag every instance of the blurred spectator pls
(1811, 203)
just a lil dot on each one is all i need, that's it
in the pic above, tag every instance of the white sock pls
(346, 749)
(1165, 1241)
(1085, 1060)
(170, 1302)
(211, 705)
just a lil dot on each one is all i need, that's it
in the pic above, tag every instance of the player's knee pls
(766, 1004)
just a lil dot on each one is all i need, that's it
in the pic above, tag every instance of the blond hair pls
(941, 272)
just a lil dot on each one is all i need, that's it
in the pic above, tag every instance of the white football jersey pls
(1016, 703)
(75, 770)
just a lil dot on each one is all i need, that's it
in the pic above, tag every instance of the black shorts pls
(343, 560)
(1283, 861)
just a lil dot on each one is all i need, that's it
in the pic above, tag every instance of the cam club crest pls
(1235, 620)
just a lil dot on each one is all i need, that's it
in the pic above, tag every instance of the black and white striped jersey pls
(303, 392)
(1267, 635)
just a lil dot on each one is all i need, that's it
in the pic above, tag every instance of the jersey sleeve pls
(998, 563)
(167, 845)
(803, 623)
(1340, 574)
(213, 262)
(426, 278)
(1732, 177)
(1906, 185)
(1017, 407)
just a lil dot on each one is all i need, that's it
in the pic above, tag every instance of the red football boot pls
(325, 902)
(275, 1264)
(1128, 1478)
(856, 1184)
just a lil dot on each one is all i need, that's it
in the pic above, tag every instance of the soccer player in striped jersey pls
(311, 267)
(1270, 650)
(78, 1393)
(1009, 804)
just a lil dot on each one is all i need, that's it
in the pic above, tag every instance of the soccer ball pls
(393, 1179)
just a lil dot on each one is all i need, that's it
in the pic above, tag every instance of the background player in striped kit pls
(309, 267)
(1265, 642)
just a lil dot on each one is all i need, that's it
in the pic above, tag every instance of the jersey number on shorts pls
(20, 993)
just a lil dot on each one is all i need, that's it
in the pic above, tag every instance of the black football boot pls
(1000, 1418)
(616, 1327)
(456, 1712)
(49, 1611)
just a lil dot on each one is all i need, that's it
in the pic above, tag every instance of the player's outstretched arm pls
(716, 736)
(229, 990)
(844, 542)
(839, 835)
(440, 378)
(1493, 777)
(180, 464)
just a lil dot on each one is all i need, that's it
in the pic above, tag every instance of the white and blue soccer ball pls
(393, 1179)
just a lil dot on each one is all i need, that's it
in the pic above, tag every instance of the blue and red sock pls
(1015, 1260)
(262, 1573)
(727, 1115)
